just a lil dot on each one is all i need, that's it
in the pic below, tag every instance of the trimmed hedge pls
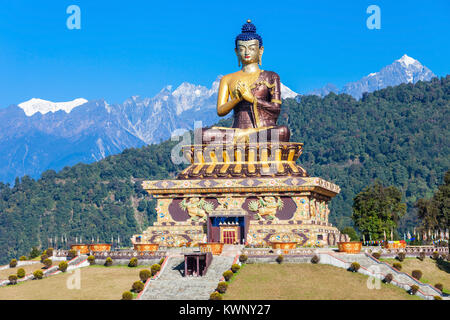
(435, 255)
(72, 253)
(397, 266)
(222, 287)
(38, 274)
(127, 295)
(108, 262)
(145, 275)
(315, 259)
(235, 268)
(388, 278)
(21, 273)
(227, 275)
(280, 258)
(133, 263)
(22, 258)
(47, 263)
(421, 256)
(439, 286)
(414, 289)
(416, 274)
(138, 286)
(62, 266)
(401, 256)
(91, 259)
(155, 268)
(215, 296)
(354, 267)
(13, 263)
(12, 279)
(376, 255)
(243, 258)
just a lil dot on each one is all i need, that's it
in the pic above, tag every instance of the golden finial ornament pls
(249, 21)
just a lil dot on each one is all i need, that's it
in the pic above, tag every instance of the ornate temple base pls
(252, 211)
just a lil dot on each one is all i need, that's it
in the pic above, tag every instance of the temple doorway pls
(227, 229)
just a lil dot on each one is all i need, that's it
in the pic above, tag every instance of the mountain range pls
(37, 135)
(403, 70)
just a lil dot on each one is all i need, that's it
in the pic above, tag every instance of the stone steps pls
(171, 285)
(402, 280)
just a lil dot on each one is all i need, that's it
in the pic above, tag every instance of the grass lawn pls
(97, 283)
(4, 274)
(306, 282)
(431, 273)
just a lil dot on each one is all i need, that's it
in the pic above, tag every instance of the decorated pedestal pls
(350, 246)
(395, 244)
(214, 247)
(146, 247)
(82, 248)
(100, 247)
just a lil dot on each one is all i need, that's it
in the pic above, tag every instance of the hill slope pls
(398, 135)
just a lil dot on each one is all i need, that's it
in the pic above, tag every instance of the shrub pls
(376, 255)
(127, 295)
(437, 298)
(439, 286)
(435, 255)
(227, 275)
(38, 274)
(280, 258)
(47, 263)
(49, 252)
(13, 263)
(222, 287)
(22, 258)
(21, 273)
(354, 267)
(43, 257)
(155, 268)
(161, 261)
(215, 296)
(416, 274)
(243, 258)
(315, 259)
(235, 268)
(62, 266)
(388, 278)
(138, 286)
(108, 262)
(145, 274)
(35, 252)
(421, 256)
(72, 253)
(12, 279)
(397, 266)
(414, 289)
(91, 259)
(401, 256)
(133, 262)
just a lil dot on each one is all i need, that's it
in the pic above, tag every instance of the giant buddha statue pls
(254, 95)
(255, 145)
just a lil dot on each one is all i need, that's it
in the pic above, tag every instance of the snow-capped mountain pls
(38, 134)
(34, 105)
(403, 70)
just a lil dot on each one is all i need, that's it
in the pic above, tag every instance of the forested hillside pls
(399, 135)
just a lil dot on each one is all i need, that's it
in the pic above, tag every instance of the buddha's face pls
(249, 51)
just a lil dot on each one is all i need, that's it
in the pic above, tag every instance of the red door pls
(229, 236)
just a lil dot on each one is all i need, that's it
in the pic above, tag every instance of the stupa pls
(243, 185)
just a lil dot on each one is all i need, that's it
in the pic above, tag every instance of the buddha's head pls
(248, 45)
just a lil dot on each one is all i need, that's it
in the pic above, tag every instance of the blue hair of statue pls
(249, 33)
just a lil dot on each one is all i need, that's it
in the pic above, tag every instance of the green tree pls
(351, 232)
(377, 210)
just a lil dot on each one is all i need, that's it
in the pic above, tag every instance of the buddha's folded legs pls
(271, 134)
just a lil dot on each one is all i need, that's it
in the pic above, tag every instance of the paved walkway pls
(371, 266)
(171, 285)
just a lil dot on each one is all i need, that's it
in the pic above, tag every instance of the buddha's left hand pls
(245, 92)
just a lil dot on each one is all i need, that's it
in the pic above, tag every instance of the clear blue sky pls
(129, 48)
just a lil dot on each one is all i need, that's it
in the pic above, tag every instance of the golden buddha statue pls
(253, 94)
(255, 145)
